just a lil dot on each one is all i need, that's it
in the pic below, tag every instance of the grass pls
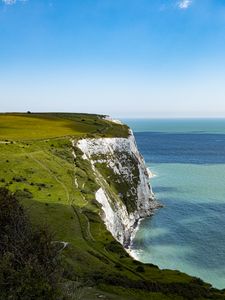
(46, 126)
(42, 171)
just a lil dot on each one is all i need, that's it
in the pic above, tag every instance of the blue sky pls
(130, 58)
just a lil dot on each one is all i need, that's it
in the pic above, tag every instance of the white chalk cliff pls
(124, 192)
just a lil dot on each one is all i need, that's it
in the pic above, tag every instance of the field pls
(42, 126)
(37, 164)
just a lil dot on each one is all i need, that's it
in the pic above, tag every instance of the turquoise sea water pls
(188, 159)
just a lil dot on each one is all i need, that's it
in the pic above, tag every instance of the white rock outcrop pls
(125, 193)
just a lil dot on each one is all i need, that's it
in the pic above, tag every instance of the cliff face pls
(124, 191)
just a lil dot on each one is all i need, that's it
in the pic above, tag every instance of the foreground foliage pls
(29, 266)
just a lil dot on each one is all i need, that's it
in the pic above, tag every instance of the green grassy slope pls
(59, 192)
(45, 125)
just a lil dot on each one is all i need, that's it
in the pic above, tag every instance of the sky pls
(125, 58)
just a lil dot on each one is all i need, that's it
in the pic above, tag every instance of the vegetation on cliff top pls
(31, 126)
(57, 191)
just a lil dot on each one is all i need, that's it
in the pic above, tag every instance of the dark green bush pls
(115, 247)
(29, 264)
(23, 194)
(140, 269)
(19, 179)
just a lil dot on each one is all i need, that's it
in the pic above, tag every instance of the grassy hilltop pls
(37, 162)
(29, 126)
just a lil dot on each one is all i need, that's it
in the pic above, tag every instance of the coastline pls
(129, 250)
(136, 227)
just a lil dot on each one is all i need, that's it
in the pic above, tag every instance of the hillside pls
(57, 187)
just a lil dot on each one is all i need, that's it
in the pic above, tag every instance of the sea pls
(187, 158)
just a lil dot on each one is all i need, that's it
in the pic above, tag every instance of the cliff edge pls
(124, 192)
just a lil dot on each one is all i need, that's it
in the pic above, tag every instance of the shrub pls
(19, 179)
(140, 269)
(23, 194)
(29, 264)
(115, 247)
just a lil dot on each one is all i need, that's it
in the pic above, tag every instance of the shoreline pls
(137, 227)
